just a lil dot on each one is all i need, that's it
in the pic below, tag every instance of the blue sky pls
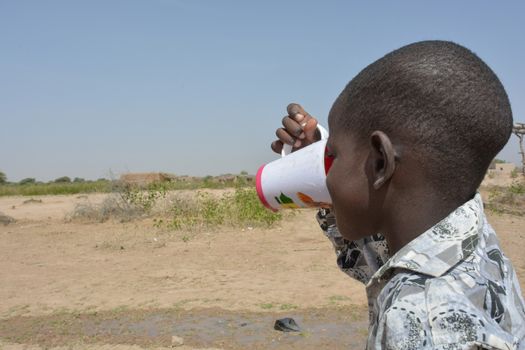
(93, 88)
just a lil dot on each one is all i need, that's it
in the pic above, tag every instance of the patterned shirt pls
(449, 288)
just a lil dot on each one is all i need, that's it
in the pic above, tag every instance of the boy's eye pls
(328, 153)
(328, 160)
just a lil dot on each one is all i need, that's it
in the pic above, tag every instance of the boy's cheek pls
(349, 202)
(330, 185)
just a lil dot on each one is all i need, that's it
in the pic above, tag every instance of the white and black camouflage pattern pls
(450, 288)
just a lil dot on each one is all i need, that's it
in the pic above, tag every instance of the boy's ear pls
(384, 158)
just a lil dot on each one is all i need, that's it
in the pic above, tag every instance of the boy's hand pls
(299, 129)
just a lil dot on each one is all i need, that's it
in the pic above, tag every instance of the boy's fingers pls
(295, 108)
(299, 129)
(277, 146)
(297, 112)
(293, 127)
(284, 136)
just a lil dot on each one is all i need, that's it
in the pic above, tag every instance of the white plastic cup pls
(297, 180)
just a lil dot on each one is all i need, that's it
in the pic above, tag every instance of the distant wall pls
(499, 174)
(142, 179)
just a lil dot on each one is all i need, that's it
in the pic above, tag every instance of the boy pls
(412, 136)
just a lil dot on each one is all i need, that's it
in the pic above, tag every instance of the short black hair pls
(439, 97)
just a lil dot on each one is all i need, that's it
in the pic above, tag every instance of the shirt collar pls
(442, 246)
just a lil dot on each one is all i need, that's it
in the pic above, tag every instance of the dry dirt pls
(131, 285)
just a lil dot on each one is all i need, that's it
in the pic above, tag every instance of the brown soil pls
(130, 285)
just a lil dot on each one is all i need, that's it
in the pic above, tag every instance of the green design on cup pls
(283, 199)
(286, 202)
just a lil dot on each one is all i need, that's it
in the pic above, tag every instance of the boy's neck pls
(415, 214)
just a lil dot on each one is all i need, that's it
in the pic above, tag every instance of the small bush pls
(126, 203)
(113, 207)
(240, 208)
(144, 198)
(27, 180)
(63, 179)
(509, 199)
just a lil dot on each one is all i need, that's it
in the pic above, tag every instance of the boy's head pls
(441, 109)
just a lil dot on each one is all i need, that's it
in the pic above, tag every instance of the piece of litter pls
(286, 324)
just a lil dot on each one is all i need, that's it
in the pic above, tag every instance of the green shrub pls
(143, 198)
(63, 179)
(509, 199)
(238, 209)
(27, 180)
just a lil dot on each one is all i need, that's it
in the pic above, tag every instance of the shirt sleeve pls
(359, 259)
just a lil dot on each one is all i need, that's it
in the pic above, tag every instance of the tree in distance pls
(27, 181)
(63, 179)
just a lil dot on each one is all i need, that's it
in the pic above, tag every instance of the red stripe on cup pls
(258, 187)
(328, 160)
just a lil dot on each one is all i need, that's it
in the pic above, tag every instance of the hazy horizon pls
(199, 87)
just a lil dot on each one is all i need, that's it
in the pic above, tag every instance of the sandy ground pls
(218, 289)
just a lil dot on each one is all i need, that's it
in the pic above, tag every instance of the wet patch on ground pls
(328, 328)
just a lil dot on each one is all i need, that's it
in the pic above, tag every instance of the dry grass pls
(509, 200)
(177, 210)
(113, 207)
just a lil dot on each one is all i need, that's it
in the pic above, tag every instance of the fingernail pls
(299, 117)
(297, 143)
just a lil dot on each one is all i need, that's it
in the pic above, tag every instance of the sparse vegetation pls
(27, 180)
(113, 207)
(240, 208)
(3, 178)
(182, 210)
(126, 203)
(63, 179)
(288, 307)
(29, 187)
(510, 200)
(143, 199)
(64, 185)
